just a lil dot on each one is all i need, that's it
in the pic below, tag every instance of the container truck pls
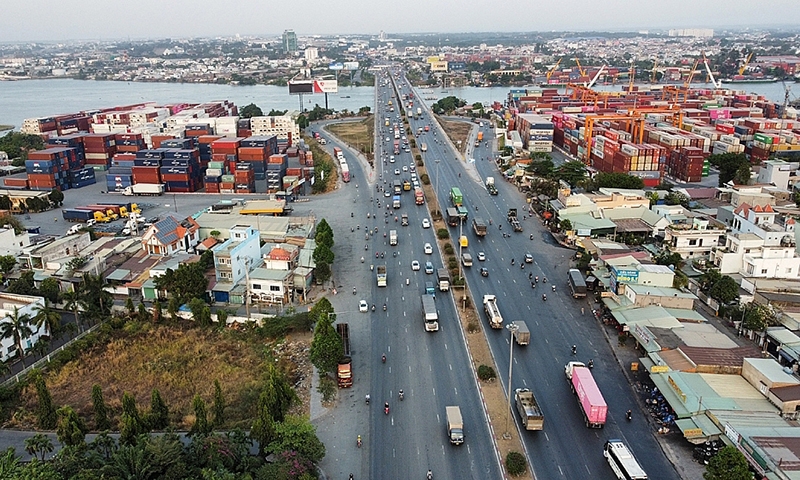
(337, 153)
(381, 275)
(151, 189)
(455, 425)
(77, 214)
(528, 409)
(429, 314)
(522, 335)
(419, 196)
(480, 136)
(591, 401)
(490, 186)
(397, 187)
(392, 237)
(492, 312)
(443, 277)
(344, 372)
(576, 283)
(480, 227)
(396, 201)
(396, 146)
(513, 220)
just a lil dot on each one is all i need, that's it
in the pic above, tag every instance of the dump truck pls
(513, 220)
(404, 220)
(480, 136)
(344, 372)
(591, 401)
(443, 277)
(419, 196)
(528, 409)
(576, 283)
(453, 218)
(522, 335)
(455, 425)
(151, 189)
(429, 314)
(406, 186)
(77, 214)
(392, 237)
(490, 186)
(381, 275)
(492, 312)
(480, 227)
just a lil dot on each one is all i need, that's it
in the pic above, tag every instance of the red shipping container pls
(16, 182)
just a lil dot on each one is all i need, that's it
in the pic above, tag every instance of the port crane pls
(553, 69)
(745, 64)
(581, 70)
(653, 74)
(717, 84)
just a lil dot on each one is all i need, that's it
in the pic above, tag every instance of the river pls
(42, 98)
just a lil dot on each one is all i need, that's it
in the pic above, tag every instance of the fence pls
(46, 359)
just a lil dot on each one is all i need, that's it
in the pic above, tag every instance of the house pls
(270, 286)
(697, 239)
(11, 243)
(234, 259)
(170, 235)
(52, 256)
(26, 305)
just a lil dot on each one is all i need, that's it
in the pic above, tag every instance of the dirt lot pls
(179, 362)
(457, 131)
(359, 135)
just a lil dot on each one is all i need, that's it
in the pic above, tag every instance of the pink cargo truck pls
(592, 403)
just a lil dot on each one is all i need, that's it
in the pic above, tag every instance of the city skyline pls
(47, 20)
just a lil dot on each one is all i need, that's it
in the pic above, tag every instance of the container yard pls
(176, 148)
(651, 133)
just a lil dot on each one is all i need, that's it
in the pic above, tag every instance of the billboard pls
(301, 87)
(351, 65)
(326, 86)
(336, 66)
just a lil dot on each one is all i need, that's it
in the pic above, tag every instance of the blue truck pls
(77, 214)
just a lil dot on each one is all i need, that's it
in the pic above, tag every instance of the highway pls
(566, 448)
(431, 367)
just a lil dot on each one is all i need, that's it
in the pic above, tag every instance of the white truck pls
(381, 275)
(521, 334)
(429, 313)
(419, 112)
(455, 425)
(492, 312)
(392, 237)
(155, 189)
(490, 186)
(443, 276)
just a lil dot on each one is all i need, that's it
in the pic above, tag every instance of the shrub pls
(418, 158)
(473, 327)
(327, 388)
(486, 373)
(442, 234)
(448, 248)
(458, 281)
(515, 463)
(425, 179)
(452, 263)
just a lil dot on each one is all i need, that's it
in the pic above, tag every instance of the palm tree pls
(73, 301)
(48, 317)
(17, 326)
(98, 301)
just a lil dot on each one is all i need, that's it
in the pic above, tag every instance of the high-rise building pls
(289, 41)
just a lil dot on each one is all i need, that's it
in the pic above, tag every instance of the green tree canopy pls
(728, 464)
(187, 282)
(326, 346)
(617, 180)
(448, 105)
(250, 110)
(728, 165)
(276, 113)
(542, 168)
(302, 121)
(725, 290)
(56, 197)
(17, 145)
(71, 429)
(571, 172)
(299, 435)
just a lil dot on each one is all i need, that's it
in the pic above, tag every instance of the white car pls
(405, 168)
(362, 306)
(388, 139)
(481, 256)
(415, 265)
(428, 249)
(391, 159)
(397, 171)
(387, 193)
(426, 223)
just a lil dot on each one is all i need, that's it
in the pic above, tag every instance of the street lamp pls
(512, 327)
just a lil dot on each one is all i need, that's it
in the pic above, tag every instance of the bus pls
(622, 461)
(456, 197)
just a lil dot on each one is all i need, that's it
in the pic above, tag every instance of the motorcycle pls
(383, 254)
(533, 284)
(377, 254)
(367, 215)
(544, 298)
(554, 288)
(358, 441)
(366, 399)
(544, 280)
(574, 349)
(383, 358)
(629, 415)
(401, 395)
(386, 408)
(591, 363)
(373, 307)
(384, 307)
(351, 214)
(354, 290)
(362, 259)
(429, 476)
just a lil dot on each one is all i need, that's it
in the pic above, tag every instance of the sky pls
(57, 20)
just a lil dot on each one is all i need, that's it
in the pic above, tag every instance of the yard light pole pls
(512, 327)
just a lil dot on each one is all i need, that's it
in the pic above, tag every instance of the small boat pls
(346, 96)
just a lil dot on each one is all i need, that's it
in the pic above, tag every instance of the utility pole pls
(512, 327)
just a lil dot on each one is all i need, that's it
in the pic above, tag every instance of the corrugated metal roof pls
(783, 336)
(772, 370)
(118, 274)
(787, 394)
(652, 316)
(719, 357)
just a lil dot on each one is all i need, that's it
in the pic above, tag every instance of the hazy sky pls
(26, 20)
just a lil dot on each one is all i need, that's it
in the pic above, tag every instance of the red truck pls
(397, 147)
(419, 196)
(592, 403)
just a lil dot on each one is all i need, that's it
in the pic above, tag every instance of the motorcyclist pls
(401, 393)
(591, 363)
(574, 349)
(530, 275)
(384, 307)
(544, 297)
(512, 261)
(386, 407)
(366, 398)
(373, 307)
(629, 415)
(383, 359)
(554, 288)
(537, 278)
(430, 475)
(354, 290)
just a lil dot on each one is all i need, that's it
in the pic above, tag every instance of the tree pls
(23, 285)
(728, 464)
(142, 314)
(131, 424)
(326, 346)
(5, 202)
(276, 113)
(708, 279)
(201, 312)
(676, 198)
(172, 308)
(323, 254)
(17, 145)
(565, 225)
(47, 317)
(201, 425)
(617, 180)
(302, 121)
(218, 409)
(8, 220)
(324, 233)
(299, 435)
(757, 317)
(157, 311)
(215, 234)
(130, 308)
(97, 301)
(571, 172)
(158, 418)
(73, 301)
(250, 110)
(45, 411)
(71, 429)
(668, 258)
(56, 197)
(50, 289)
(7, 264)
(17, 326)
(728, 165)
(39, 445)
(130, 461)
(653, 197)
(725, 290)
(9, 463)
(743, 174)
(101, 421)
(542, 168)
(187, 282)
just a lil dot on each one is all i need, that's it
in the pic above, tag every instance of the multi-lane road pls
(434, 368)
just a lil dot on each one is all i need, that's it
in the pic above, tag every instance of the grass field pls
(180, 362)
(359, 135)
(457, 131)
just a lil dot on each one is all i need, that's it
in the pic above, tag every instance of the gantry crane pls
(580, 69)
(653, 77)
(553, 69)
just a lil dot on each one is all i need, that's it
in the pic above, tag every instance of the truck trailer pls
(429, 314)
(151, 189)
(576, 283)
(344, 372)
(490, 186)
(480, 227)
(522, 335)
(528, 409)
(492, 312)
(392, 237)
(455, 425)
(591, 401)
(381, 275)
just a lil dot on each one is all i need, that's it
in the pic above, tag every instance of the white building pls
(311, 54)
(237, 255)
(696, 239)
(283, 126)
(26, 305)
(780, 173)
(758, 246)
(11, 243)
